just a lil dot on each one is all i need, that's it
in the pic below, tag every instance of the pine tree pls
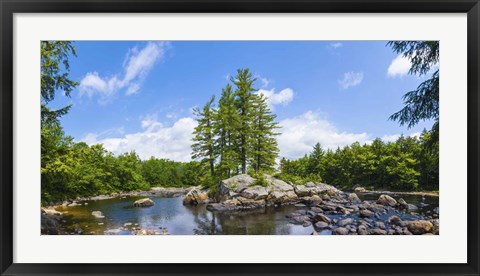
(225, 127)
(315, 160)
(264, 146)
(243, 102)
(203, 146)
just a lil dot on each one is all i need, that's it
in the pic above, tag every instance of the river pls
(121, 218)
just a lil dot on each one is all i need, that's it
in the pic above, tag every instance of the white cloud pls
(399, 66)
(299, 135)
(281, 98)
(136, 66)
(390, 138)
(335, 45)
(265, 82)
(351, 79)
(156, 139)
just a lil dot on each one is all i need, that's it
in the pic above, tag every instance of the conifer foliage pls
(239, 133)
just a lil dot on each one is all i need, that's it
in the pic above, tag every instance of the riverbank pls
(379, 192)
(154, 191)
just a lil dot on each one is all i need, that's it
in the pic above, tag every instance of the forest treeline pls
(407, 164)
(70, 170)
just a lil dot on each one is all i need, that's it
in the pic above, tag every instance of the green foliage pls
(260, 178)
(423, 102)
(407, 164)
(54, 72)
(168, 173)
(238, 135)
(203, 146)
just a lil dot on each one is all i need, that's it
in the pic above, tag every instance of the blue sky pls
(139, 95)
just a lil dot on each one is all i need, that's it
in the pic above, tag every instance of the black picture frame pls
(9, 7)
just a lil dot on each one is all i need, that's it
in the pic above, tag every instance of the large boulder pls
(49, 224)
(233, 186)
(196, 196)
(419, 227)
(144, 202)
(386, 200)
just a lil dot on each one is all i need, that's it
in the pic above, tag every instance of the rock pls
(316, 209)
(127, 224)
(436, 226)
(402, 204)
(412, 207)
(98, 214)
(255, 192)
(196, 196)
(276, 197)
(387, 200)
(321, 217)
(169, 192)
(340, 231)
(344, 222)
(51, 212)
(233, 186)
(78, 230)
(359, 190)
(306, 223)
(144, 202)
(278, 185)
(314, 233)
(366, 214)
(144, 232)
(395, 220)
(247, 203)
(312, 200)
(321, 225)
(49, 225)
(309, 184)
(419, 227)
(379, 224)
(73, 204)
(299, 219)
(353, 197)
(378, 231)
(362, 230)
(302, 191)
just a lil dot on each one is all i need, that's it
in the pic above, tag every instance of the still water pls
(120, 217)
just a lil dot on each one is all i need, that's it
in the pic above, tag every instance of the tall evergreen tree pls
(203, 146)
(243, 101)
(422, 103)
(225, 126)
(264, 146)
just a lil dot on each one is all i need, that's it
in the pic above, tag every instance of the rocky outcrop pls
(196, 196)
(241, 192)
(169, 192)
(144, 202)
